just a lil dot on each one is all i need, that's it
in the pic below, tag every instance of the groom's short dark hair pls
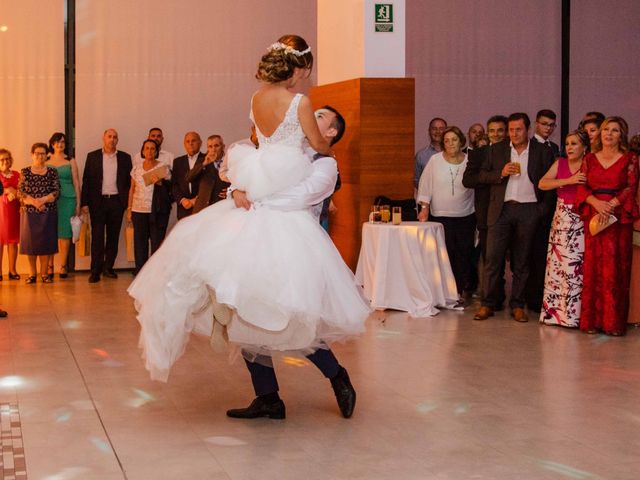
(338, 123)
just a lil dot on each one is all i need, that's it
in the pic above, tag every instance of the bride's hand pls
(240, 199)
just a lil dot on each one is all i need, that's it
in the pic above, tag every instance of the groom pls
(310, 194)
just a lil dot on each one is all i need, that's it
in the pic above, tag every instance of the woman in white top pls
(444, 199)
(149, 205)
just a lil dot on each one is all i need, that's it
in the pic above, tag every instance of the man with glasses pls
(545, 126)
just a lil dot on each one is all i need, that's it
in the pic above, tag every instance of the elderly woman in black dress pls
(38, 190)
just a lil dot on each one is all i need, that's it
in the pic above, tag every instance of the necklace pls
(453, 178)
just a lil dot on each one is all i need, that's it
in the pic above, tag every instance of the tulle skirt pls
(279, 272)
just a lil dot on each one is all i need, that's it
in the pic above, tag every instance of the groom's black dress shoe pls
(110, 273)
(345, 393)
(260, 408)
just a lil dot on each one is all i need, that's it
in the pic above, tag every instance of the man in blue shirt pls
(436, 129)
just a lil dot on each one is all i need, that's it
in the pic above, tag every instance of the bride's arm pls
(310, 128)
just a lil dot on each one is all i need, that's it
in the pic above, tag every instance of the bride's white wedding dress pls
(279, 271)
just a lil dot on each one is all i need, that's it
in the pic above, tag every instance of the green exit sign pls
(384, 17)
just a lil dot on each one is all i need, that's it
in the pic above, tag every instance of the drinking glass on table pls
(385, 213)
(375, 216)
(396, 216)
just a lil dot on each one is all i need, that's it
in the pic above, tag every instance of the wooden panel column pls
(375, 156)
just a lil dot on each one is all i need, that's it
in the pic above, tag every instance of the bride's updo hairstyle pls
(289, 52)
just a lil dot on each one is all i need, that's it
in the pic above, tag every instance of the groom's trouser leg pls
(326, 362)
(263, 377)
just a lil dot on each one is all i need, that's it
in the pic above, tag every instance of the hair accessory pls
(288, 49)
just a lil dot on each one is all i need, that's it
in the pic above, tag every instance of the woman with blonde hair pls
(607, 204)
(278, 274)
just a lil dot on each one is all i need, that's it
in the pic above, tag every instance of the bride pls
(277, 272)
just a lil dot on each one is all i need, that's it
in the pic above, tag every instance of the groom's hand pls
(240, 199)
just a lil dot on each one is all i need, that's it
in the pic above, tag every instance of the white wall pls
(31, 78)
(182, 66)
(475, 59)
(605, 60)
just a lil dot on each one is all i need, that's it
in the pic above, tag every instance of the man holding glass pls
(516, 206)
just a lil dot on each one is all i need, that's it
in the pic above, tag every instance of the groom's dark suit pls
(512, 225)
(106, 211)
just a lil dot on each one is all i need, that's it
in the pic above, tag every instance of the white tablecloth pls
(406, 267)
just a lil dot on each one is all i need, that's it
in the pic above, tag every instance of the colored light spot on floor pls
(426, 407)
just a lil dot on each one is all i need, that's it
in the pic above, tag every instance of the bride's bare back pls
(270, 105)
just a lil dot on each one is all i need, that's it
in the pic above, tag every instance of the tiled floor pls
(438, 398)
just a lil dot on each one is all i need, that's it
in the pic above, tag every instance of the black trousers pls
(147, 229)
(534, 289)
(264, 378)
(482, 261)
(459, 237)
(514, 231)
(106, 221)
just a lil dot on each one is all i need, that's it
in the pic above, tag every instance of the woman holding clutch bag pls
(67, 202)
(563, 277)
(149, 203)
(607, 201)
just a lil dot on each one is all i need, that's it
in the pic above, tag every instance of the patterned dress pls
(563, 277)
(9, 211)
(607, 255)
(39, 229)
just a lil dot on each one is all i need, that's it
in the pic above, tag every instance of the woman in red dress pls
(9, 213)
(610, 189)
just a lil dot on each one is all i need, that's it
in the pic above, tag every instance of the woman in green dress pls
(68, 200)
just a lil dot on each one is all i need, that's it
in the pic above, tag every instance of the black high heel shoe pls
(14, 276)
(47, 278)
(63, 272)
(30, 279)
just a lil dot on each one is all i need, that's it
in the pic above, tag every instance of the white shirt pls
(441, 187)
(311, 192)
(519, 187)
(541, 140)
(109, 173)
(192, 160)
(142, 194)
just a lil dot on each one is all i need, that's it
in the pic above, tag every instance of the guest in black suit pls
(516, 207)
(105, 190)
(475, 133)
(497, 131)
(545, 126)
(211, 188)
(185, 191)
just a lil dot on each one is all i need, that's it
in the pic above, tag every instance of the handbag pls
(84, 241)
(76, 225)
(595, 227)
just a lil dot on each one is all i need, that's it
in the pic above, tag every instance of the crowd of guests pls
(38, 203)
(561, 219)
